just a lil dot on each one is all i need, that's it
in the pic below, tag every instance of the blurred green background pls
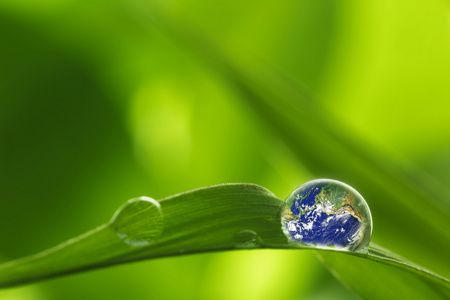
(101, 101)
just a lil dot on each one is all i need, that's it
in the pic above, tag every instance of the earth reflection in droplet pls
(327, 214)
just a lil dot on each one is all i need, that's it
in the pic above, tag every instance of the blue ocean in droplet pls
(317, 227)
(327, 214)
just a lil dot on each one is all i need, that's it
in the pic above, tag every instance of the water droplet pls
(139, 222)
(327, 214)
(247, 239)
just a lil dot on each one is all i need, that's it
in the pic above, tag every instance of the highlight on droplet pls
(327, 214)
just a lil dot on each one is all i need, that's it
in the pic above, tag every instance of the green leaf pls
(198, 221)
(222, 217)
(395, 278)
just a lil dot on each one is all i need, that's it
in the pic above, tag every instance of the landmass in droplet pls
(139, 222)
(328, 214)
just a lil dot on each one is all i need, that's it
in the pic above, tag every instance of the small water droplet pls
(327, 214)
(247, 239)
(139, 222)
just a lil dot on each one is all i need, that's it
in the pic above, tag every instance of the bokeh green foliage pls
(102, 101)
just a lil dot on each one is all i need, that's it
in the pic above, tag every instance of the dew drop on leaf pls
(139, 222)
(327, 214)
(247, 239)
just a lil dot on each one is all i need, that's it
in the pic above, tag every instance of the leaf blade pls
(188, 229)
(202, 220)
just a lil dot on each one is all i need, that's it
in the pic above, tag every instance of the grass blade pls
(216, 218)
(197, 221)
